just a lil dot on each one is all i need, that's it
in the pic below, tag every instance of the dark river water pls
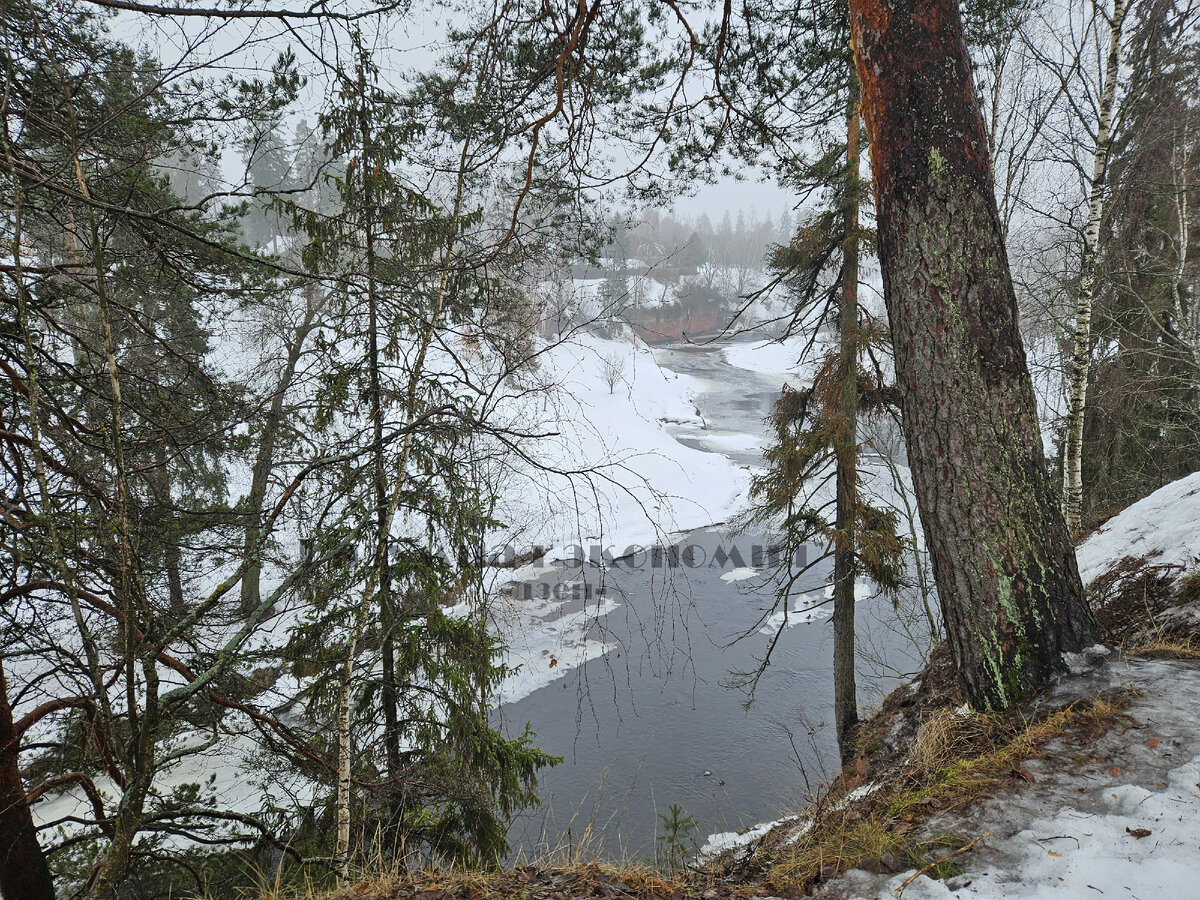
(662, 719)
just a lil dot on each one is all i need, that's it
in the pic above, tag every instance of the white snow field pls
(780, 358)
(607, 470)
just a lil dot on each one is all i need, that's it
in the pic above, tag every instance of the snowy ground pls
(1165, 526)
(1123, 820)
(777, 357)
(608, 469)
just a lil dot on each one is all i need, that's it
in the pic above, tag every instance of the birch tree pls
(1141, 425)
(1097, 189)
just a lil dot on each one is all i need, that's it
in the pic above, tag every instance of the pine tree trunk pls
(23, 870)
(1081, 358)
(1005, 568)
(845, 696)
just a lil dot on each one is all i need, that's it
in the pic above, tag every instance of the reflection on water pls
(661, 718)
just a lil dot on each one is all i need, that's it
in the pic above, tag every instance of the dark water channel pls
(660, 718)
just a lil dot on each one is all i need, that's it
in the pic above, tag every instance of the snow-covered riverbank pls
(607, 468)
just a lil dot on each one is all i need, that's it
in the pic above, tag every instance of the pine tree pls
(817, 429)
(1006, 574)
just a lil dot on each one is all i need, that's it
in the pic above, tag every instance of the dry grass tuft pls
(1189, 589)
(1166, 646)
(945, 736)
(1137, 604)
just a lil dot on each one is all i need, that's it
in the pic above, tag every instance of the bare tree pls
(612, 368)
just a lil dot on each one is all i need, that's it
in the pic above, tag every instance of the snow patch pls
(742, 573)
(605, 468)
(776, 357)
(1079, 853)
(731, 840)
(1079, 663)
(1162, 526)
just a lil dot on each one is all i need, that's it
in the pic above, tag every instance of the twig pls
(937, 862)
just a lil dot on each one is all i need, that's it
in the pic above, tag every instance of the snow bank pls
(1164, 525)
(731, 840)
(774, 357)
(606, 470)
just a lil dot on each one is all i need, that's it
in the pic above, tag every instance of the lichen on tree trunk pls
(1005, 568)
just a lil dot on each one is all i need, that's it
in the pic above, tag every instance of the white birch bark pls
(1187, 321)
(344, 748)
(1081, 358)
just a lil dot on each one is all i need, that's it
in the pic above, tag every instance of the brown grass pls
(591, 879)
(1166, 646)
(1189, 589)
(550, 878)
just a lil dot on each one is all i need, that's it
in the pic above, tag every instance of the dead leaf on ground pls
(1138, 833)
(1114, 771)
(1152, 743)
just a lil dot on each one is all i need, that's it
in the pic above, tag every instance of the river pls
(661, 718)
